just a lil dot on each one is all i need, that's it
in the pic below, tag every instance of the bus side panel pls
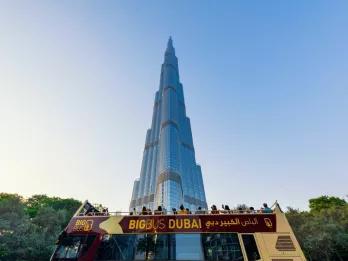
(279, 246)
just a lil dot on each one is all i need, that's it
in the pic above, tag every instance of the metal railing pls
(98, 210)
(159, 213)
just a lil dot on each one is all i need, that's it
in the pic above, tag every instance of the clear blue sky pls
(266, 88)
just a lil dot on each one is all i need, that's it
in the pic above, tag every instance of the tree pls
(29, 228)
(322, 232)
(14, 226)
(36, 202)
(325, 202)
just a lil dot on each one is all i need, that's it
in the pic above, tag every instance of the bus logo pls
(83, 225)
(268, 222)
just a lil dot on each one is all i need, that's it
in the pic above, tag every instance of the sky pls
(266, 89)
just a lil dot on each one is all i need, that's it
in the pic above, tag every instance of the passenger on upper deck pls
(199, 211)
(225, 209)
(159, 211)
(105, 211)
(214, 210)
(251, 210)
(134, 212)
(182, 210)
(266, 209)
(144, 211)
(174, 211)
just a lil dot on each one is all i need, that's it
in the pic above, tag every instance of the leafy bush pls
(323, 231)
(29, 228)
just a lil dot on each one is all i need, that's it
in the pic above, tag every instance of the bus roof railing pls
(158, 213)
(88, 209)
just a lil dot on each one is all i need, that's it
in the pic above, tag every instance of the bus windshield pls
(73, 246)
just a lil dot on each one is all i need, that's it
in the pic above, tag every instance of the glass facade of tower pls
(169, 174)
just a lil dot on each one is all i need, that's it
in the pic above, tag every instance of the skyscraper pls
(169, 173)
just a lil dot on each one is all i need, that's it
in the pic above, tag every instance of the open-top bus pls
(97, 236)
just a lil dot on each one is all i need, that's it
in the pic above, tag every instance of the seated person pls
(144, 211)
(200, 211)
(159, 211)
(214, 210)
(225, 209)
(105, 211)
(134, 212)
(266, 209)
(149, 212)
(251, 210)
(182, 210)
(174, 211)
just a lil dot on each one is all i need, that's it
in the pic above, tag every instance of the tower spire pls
(170, 49)
(169, 56)
(170, 42)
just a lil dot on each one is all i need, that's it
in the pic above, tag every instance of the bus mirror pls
(106, 238)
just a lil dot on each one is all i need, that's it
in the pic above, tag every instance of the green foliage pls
(29, 228)
(36, 202)
(325, 202)
(322, 232)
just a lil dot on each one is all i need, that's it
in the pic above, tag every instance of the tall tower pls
(169, 173)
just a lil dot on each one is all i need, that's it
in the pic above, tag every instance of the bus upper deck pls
(102, 236)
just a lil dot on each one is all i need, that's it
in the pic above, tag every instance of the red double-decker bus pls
(101, 236)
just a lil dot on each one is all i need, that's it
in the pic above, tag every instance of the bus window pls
(134, 247)
(213, 247)
(117, 247)
(163, 247)
(145, 247)
(223, 246)
(71, 247)
(68, 248)
(250, 247)
(188, 247)
(150, 247)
